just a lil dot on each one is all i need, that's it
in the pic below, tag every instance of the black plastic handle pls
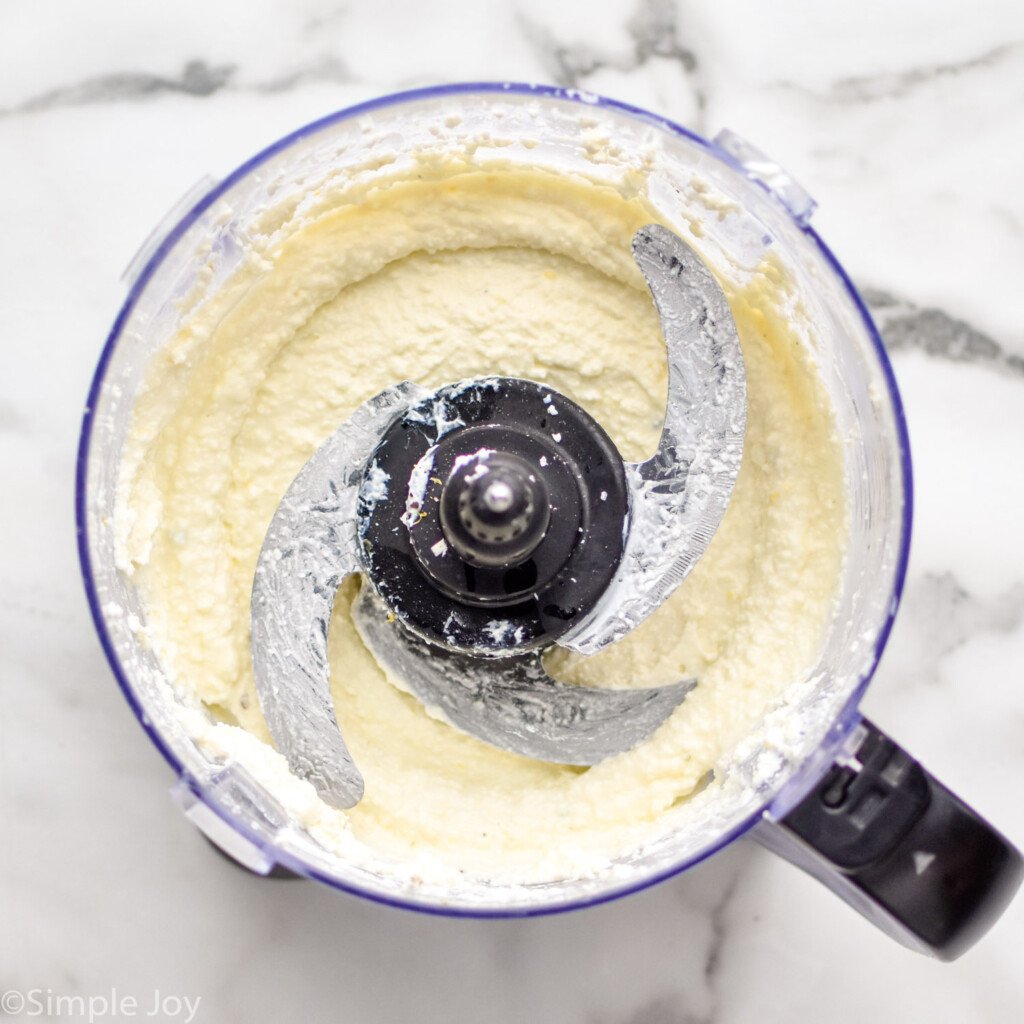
(902, 849)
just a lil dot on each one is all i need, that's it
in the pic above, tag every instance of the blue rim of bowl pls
(848, 714)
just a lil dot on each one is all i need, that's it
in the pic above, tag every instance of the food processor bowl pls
(733, 204)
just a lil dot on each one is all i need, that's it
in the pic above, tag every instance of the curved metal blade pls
(679, 495)
(310, 547)
(513, 703)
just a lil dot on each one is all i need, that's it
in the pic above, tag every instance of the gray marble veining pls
(935, 332)
(651, 31)
(896, 84)
(197, 79)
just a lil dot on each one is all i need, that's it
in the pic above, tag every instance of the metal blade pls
(310, 547)
(513, 703)
(679, 495)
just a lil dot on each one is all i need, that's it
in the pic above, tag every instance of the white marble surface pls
(905, 121)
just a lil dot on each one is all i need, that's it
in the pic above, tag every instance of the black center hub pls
(503, 519)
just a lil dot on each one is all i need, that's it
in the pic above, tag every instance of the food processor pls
(492, 518)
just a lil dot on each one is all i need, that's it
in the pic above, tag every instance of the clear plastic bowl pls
(759, 206)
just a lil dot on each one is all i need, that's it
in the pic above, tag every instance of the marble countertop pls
(907, 124)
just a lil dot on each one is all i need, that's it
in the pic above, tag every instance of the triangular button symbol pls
(922, 860)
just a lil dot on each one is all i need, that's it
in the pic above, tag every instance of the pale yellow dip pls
(520, 273)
